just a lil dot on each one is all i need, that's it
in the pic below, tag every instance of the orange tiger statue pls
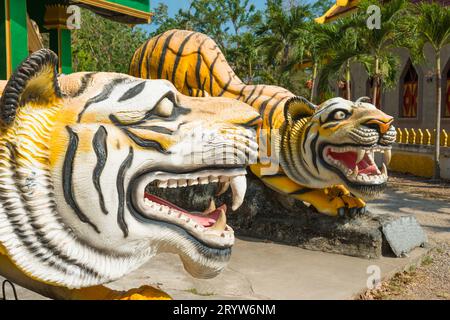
(323, 155)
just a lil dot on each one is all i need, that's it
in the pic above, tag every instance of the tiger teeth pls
(162, 184)
(239, 187)
(192, 182)
(219, 233)
(211, 207)
(223, 187)
(387, 156)
(384, 170)
(360, 155)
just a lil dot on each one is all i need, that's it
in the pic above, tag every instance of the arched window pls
(446, 94)
(409, 92)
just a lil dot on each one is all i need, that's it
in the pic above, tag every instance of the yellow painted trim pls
(421, 165)
(119, 8)
(329, 15)
(8, 40)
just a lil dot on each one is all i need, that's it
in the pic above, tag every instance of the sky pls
(175, 5)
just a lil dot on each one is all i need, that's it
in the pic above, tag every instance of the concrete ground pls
(259, 270)
(262, 270)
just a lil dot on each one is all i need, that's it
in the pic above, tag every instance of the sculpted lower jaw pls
(208, 226)
(358, 163)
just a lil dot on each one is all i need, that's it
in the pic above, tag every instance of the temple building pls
(23, 22)
(412, 102)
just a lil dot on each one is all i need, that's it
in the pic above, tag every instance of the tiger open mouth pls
(357, 163)
(210, 226)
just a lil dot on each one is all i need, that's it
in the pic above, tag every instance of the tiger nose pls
(381, 124)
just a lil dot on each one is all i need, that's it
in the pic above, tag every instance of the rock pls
(268, 215)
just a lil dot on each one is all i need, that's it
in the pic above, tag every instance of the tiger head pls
(77, 154)
(336, 143)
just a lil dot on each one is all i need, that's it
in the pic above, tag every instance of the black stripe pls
(162, 58)
(145, 143)
(331, 125)
(241, 92)
(313, 151)
(275, 175)
(106, 92)
(84, 83)
(259, 95)
(141, 58)
(158, 129)
(203, 87)
(251, 123)
(251, 94)
(305, 135)
(101, 151)
(262, 107)
(68, 175)
(198, 65)
(121, 192)
(301, 191)
(272, 111)
(211, 73)
(187, 84)
(179, 54)
(224, 89)
(133, 92)
(150, 56)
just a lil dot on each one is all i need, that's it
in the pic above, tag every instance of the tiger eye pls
(164, 108)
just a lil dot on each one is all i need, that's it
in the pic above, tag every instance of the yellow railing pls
(421, 136)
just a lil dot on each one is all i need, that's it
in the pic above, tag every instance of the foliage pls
(432, 25)
(282, 44)
(104, 45)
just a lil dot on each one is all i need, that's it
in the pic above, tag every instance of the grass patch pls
(196, 292)
(427, 260)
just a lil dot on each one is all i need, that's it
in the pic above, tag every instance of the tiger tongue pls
(211, 219)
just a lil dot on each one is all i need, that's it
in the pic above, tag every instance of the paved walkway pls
(260, 270)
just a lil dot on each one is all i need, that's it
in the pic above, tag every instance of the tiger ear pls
(298, 107)
(35, 80)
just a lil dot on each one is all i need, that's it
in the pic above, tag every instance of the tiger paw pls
(144, 293)
(336, 201)
(352, 206)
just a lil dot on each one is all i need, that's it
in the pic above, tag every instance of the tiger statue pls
(77, 153)
(323, 155)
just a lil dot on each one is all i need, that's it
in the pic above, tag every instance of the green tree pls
(104, 45)
(246, 60)
(432, 25)
(380, 41)
(164, 22)
(334, 47)
(280, 35)
(319, 7)
(223, 20)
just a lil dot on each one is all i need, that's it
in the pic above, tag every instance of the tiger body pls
(77, 154)
(196, 66)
